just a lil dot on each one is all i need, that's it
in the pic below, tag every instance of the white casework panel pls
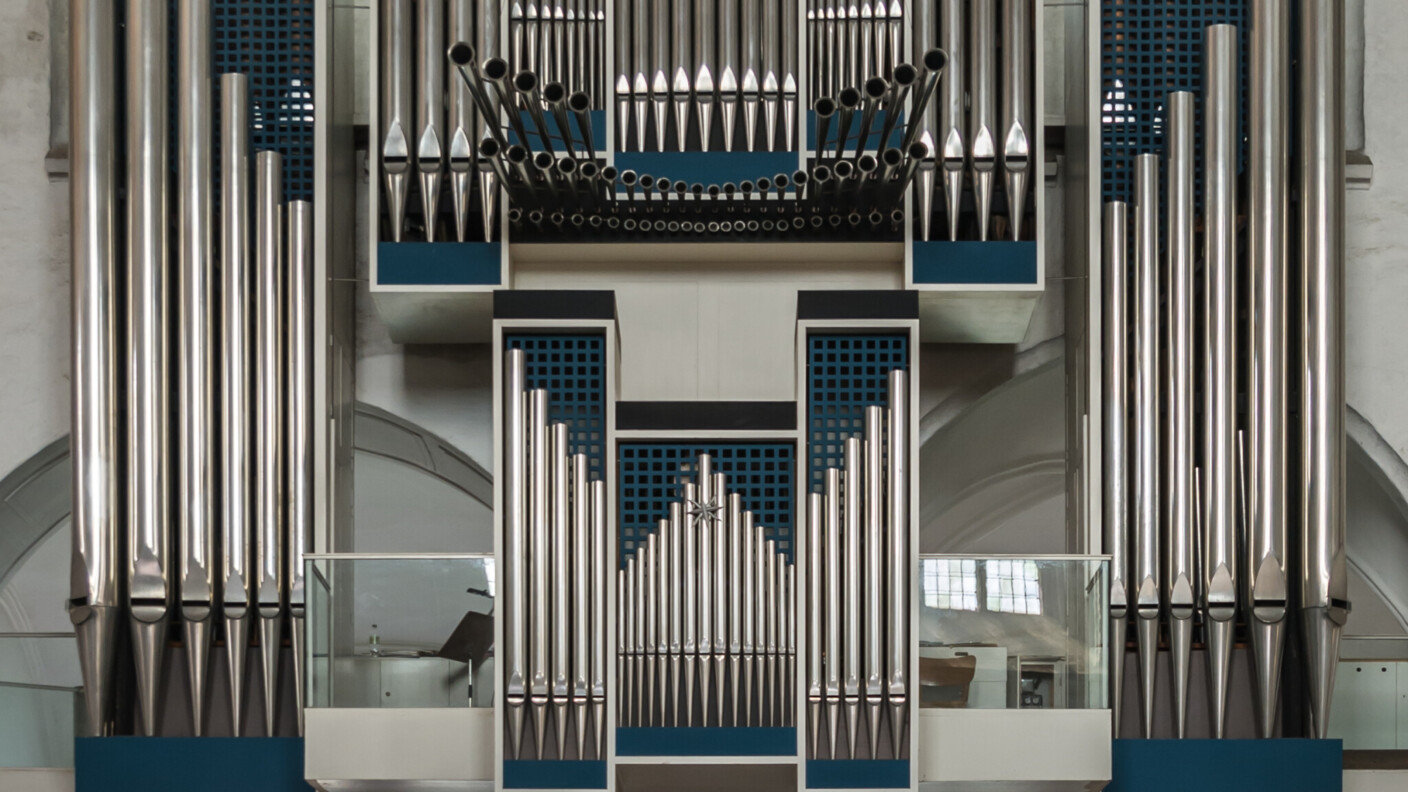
(705, 331)
(1365, 711)
(1013, 749)
(27, 779)
(399, 744)
(1375, 780)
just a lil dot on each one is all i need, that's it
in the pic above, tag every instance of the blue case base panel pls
(974, 263)
(1227, 765)
(872, 141)
(707, 167)
(180, 764)
(857, 774)
(579, 144)
(714, 741)
(439, 263)
(535, 774)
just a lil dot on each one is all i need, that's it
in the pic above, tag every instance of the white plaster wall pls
(34, 256)
(1377, 277)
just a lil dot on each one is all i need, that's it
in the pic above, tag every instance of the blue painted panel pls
(572, 367)
(846, 372)
(709, 167)
(706, 742)
(871, 141)
(181, 764)
(532, 774)
(857, 774)
(1227, 765)
(975, 262)
(761, 473)
(438, 263)
(535, 141)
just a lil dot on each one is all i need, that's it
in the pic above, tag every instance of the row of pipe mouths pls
(707, 602)
(1202, 508)
(193, 372)
(858, 555)
(553, 598)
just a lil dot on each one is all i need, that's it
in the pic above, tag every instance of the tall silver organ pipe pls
(195, 346)
(1325, 581)
(151, 577)
(236, 496)
(622, 33)
(1178, 454)
(898, 543)
(815, 614)
(1145, 429)
(851, 616)
(538, 555)
(1016, 106)
(1268, 130)
(1115, 394)
(1219, 482)
(719, 497)
(982, 121)
(730, 77)
(559, 461)
(601, 555)
(873, 675)
(97, 526)
(397, 121)
(430, 110)
(690, 604)
(581, 605)
(269, 493)
(515, 475)
(832, 526)
(463, 127)
(952, 129)
(299, 427)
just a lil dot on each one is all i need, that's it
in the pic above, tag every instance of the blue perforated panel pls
(272, 42)
(1148, 49)
(573, 370)
(845, 374)
(651, 473)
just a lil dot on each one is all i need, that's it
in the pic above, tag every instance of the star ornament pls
(703, 513)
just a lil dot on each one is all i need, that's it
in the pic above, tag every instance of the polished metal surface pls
(97, 525)
(832, 526)
(539, 551)
(983, 143)
(1179, 513)
(1116, 459)
(1268, 166)
(601, 555)
(1144, 432)
(463, 127)
(897, 473)
(873, 674)
(851, 519)
(1325, 578)
(430, 109)
(151, 575)
(236, 496)
(560, 446)
(1218, 485)
(728, 68)
(513, 601)
(299, 464)
(397, 31)
(270, 330)
(1017, 131)
(582, 574)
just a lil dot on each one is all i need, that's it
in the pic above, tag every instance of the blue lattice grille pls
(573, 370)
(1148, 49)
(650, 476)
(845, 374)
(272, 42)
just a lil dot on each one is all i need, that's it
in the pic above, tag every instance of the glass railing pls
(400, 631)
(1013, 632)
(1371, 685)
(40, 699)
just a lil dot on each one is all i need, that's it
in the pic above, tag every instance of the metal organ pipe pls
(1325, 579)
(1178, 455)
(96, 525)
(1145, 429)
(1219, 483)
(1268, 129)
(269, 493)
(983, 110)
(396, 108)
(464, 129)
(1016, 106)
(897, 481)
(515, 511)
(874, 589)
(150, 574)
(299, 423)
(1115, 394)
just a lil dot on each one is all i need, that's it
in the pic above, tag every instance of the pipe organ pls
(1201, 515)
(196, 349)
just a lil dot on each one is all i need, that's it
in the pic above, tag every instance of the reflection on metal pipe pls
(1016, 106)
(96, 525)
(515, 518)
(560, 511)
(832, 526)
(601, 553)
(983, 97)
(1268, 129)
(299, 423)
(1325, 584)
(873, 674)
(269, 333)
(897, 471)
(953, 145)
(1145, 423)
(581, 606)
(1218, 488)
(1178, 455)
(463, 128)
(1115, 394)
(851, 673)
(396, 108)
(728, 67)
(150, 574)
(430, 110)
(195, 344)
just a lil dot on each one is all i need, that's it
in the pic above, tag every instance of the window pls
(951, 584)
(1013, 587)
